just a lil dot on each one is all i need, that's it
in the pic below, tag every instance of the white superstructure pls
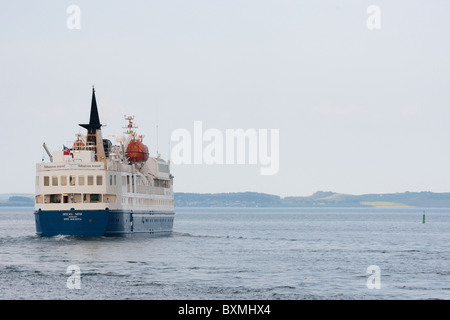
(78, 181)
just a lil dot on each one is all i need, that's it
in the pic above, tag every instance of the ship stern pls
(71, 223)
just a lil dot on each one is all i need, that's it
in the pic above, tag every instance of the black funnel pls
(94, 121)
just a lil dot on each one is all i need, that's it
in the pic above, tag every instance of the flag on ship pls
(67, 151)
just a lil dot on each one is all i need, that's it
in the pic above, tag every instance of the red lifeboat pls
(137, 151)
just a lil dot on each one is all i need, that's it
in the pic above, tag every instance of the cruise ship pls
(97, 188)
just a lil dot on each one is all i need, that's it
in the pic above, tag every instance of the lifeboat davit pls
(137, 151)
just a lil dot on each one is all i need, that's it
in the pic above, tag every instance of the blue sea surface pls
(238, 253)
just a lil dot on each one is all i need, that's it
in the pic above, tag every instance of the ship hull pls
(96, 223)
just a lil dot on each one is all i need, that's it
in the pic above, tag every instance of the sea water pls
(237, 253)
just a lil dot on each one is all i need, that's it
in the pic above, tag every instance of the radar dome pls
(120, 138)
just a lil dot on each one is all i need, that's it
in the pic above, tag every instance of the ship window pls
(81, 180)
(110, 180)
(55, 198)
(54, 181)
(72, 180)
(40, 198)
(90, 180)
(75, 198)
(115, 179)
(99, 180)
(46, 181)
(163, 168)
(109, 198)
(94, 198)
(63, 180)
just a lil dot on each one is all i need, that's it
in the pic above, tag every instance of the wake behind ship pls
(96, 188)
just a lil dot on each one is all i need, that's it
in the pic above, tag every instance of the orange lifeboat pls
(78, 145)
(137, 151)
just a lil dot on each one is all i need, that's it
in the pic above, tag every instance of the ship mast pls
(94, 139)
(130, 126)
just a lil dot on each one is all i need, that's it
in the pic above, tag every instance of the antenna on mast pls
(130, 126)
(157, 140)
(168, 144)
(157, 127)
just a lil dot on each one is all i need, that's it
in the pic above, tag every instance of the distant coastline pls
(16, 200)
(423, 199)
(319, 199)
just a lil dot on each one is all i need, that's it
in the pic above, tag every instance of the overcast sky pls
(358, 110)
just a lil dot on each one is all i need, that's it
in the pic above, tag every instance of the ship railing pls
(90, 146)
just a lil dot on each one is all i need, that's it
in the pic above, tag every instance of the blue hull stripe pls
(96, 223)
